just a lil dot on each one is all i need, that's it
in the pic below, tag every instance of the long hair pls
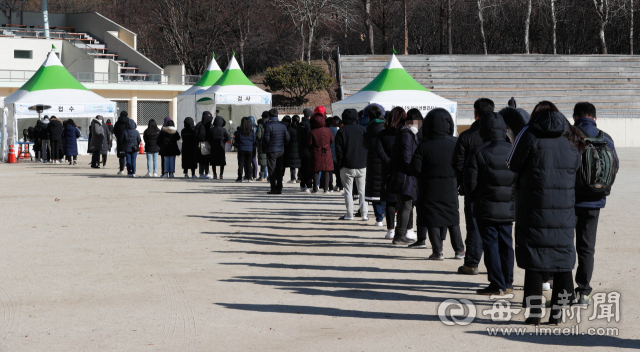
(245, 126)
(295, 120)
(70, 122)
(152, 129)
(543, 107)
(398, 116)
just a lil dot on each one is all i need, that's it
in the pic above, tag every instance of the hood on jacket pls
(131, 125)
(207, 118)
(366, 110)
(492, 127)
(169, 129)
(550, 124)
(437, 125)
(96, 121)
(317, 120)
(218, 122)
(322, 110)
(364, 121)
(350, 116)
(516, 119)
(189, 124)
(123, 120)
(252, 120)
(45, 121)
(166, 120)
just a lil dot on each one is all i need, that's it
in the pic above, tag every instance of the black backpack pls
(598, 166)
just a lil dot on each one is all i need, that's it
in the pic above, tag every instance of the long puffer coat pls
(262, 156)
(437, 203)
(320, 140)
(292, 153)
(106, 141)
(37, 142)
(467, 140)
(404, 147)
(55, 130)
(546, 164)
(96, 136)
(304, 129)
(189, 145)
(118, 132)
(218, 137)
(373, 186)
(70, 137)
(168, 141)
(384, 147)
(488, 181)
(201, 133)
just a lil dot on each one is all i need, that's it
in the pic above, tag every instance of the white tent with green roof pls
(236, 96)
(187, 102)
(393, 87)
(54, 86)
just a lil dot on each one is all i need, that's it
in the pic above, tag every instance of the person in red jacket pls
(320, 140)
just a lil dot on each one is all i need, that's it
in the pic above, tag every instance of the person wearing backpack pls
(589, 201)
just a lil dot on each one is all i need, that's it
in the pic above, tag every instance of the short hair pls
(336, 121)
(273, 113)
(414, 115)
(375, 113)
(483, 106)
(584, 109)
(542, 108)
(124, 114)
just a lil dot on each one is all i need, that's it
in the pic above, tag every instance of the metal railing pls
(116, 78)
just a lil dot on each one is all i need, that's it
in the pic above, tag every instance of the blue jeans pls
(152, 159)
(473, 242)
(169, 165)
(498, 254)
(379, 210)
(130, 159)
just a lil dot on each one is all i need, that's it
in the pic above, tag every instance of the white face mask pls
(414, 129)
(511, 135)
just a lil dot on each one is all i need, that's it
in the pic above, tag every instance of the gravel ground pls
(98, 262)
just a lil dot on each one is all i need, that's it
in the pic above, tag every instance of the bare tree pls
(527, 24)
(244, 12)
(631, 27)
(295, 10)
(553, 19)
(603, 10)
(369, 24)
(484, 39)
(383, 12)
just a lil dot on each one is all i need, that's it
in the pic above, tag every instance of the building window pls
(121, 105)
(23, 54)
(156, 110)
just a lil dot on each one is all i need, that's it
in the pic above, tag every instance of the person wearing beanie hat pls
(322, 110)
(351, 158)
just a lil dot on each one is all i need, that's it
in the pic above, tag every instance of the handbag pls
(136, 147)
(205, 148)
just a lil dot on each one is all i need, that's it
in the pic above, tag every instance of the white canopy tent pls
(236, 96)
(394, 87)
(188, 105)
(54, 86)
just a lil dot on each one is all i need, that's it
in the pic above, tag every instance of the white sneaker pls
(147, 175)
(546, 286)
(378, 224)
(411, 235)
(390, 234)
(120, 173)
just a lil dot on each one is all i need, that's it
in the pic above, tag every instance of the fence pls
(297, 110)
(97, 77)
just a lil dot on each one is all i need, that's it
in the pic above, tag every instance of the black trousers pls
(245, 160)
(55, 150)
(391, 217)
(104, 159)
(95, 159)
(437, 235)
(473, 240)
(275, 165)
(497, 244)
(562, 285)
(304, 174)
(586, 228)
(121, 163)
(405, 212)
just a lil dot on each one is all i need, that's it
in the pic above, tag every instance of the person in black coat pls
(292, 152)
(490, 185)
(275, 138)
(351, 158)
(189, 146)
(303, 131)
(96, 139)
(515, 120)
(106, 143)
(245, 140)
(201, 133)
(546, 163)
(468, 140)
(131, 146)
(37, 142)
(55, 136)
(384, 147)
(118, 133)
(168, 143)
(218, 138)
(151, 148)
(437, 204)
(373, 186)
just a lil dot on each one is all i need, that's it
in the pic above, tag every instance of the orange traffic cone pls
(11, 158)
(141, 148)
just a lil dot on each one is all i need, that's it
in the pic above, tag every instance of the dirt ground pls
(92, 261)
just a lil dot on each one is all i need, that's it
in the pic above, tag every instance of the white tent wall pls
(187, 107)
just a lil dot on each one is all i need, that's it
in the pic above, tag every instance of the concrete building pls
(99, 53)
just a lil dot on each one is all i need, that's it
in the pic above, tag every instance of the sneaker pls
(365, 218)
(214, 177)
(489, 291)
(134, 175)
(194, 176)
(418, 245)
(401, 240)
(292, 181)
(75, 162)
(412, 235)
(155, 174)
(546, 286)
(251, 180)
(303, 189)
(221, 177)
(308, 190)
(467, 270)
(204, 177)
(171, 176)
(390, 234)
(345, 218)
(165, 176)
(583, 300)
(239, 180)
(325, 192)
(129, 175)
(460, 255)
(147, 175)
(378, 224)
(119, 172)
(260, 179)
(186, 176)
(436, 256)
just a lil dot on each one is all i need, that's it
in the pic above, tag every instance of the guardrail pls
(116, 78)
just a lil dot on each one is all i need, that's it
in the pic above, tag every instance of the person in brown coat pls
(320, 140)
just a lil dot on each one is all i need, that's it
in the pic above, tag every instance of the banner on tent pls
(23, 111)
(236, 99)
(424, 109)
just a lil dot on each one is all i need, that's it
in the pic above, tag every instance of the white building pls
(99, 53)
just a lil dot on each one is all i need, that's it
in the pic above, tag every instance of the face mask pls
(414, 129)
(511, 135)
